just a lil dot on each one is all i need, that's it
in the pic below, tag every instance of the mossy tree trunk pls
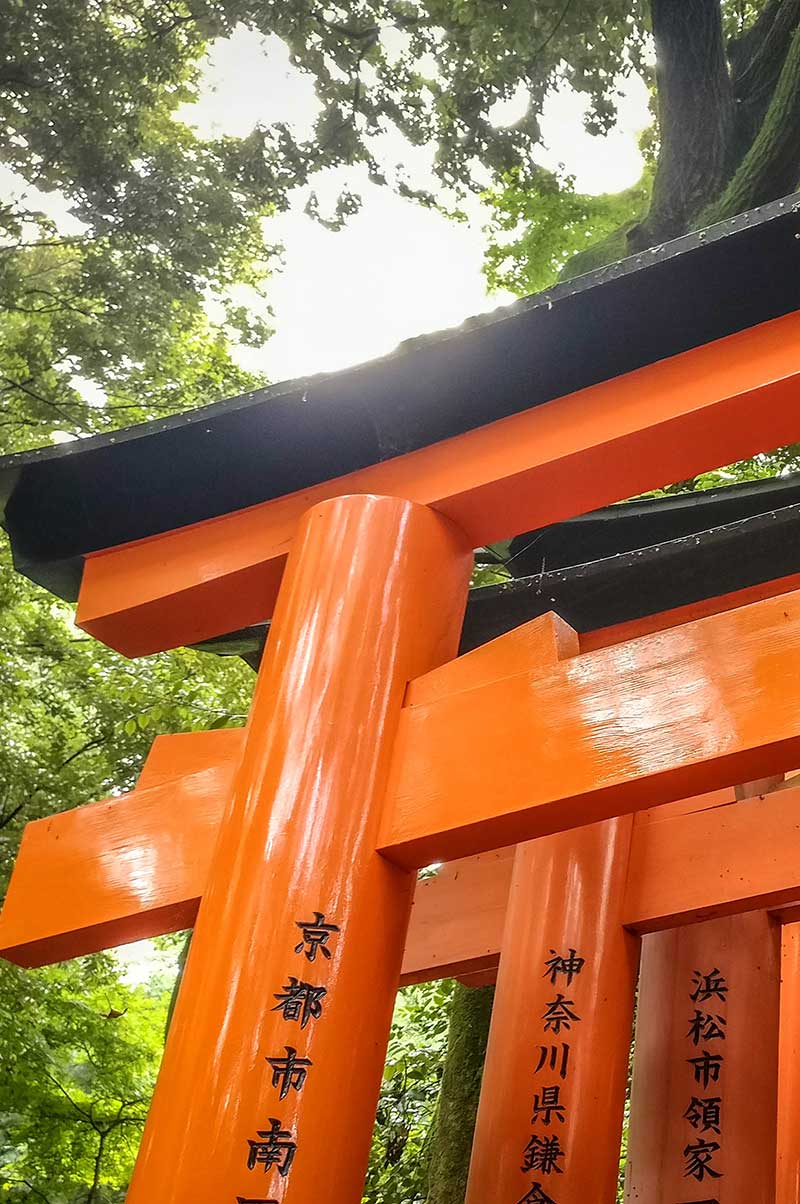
(450, 1141)
(728, 120)
(728, 115)
(695, 116)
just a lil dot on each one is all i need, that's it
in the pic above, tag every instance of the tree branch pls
(32, 1187)
(81, 1111)
(24, 387)
(5, 820)
(94, 743)
(67, 241)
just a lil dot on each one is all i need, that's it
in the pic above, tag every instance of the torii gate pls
(358, 765)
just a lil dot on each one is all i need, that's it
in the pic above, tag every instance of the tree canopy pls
(104, 312)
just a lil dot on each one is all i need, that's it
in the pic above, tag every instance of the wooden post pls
(551, 1108)
(271, 1074)
(787, 1189)
(704, 1098)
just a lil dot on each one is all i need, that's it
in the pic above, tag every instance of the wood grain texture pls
(746, 952)
(564, 901)
(124, 868)
(787, 1187)
(740, 857)
(696, 859)
(670, 715)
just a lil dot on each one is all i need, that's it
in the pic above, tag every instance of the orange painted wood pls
(666, 716)
(545, 640)
(173, 756)
(701, 863)
(457, 919)
(124, 868)
(697, 410)
(561, 1029)
(788, 1174)
(745, 951)
(480, 978)
(690, 861)
(715, 862)
(298, 838)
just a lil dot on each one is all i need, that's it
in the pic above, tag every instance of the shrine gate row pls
(608, 772)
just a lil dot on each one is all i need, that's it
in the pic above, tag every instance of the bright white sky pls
(396, 270)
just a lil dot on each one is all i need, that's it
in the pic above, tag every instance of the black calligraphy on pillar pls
(316, 934)
(536, 1195)
(252, 1200)
(707, 1067)
(699, 1156)
(289, 1073)
(554, 1057)
(704, 1112)
(272, 1147)
(709, 986)
(298, 1002)
(546, 1105)
(544, 1155)
(558, 1014)
(705, 1027)
(567, 966)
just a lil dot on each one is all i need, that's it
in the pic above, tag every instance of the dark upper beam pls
(64, 502)
(625, 562)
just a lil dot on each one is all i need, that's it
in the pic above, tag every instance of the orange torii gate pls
(358, 763)
(457, 925)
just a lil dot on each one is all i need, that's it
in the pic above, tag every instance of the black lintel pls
(716, 542)
(63, 502)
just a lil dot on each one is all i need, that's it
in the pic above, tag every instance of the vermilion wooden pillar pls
(704, 1098)
(270, 1079)
(788, 1185)
(550, 1114)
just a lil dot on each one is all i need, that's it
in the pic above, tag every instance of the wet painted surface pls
(279, 1035)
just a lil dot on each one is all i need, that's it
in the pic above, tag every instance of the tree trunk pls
(771, 167)
(98, 1162)
(450, 1141)
(756, 60)
(695, 116)
(730, 141)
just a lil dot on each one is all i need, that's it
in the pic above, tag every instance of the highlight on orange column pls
(787, 1188)
(271, 1074)
(704, 1096)
(550, 1115)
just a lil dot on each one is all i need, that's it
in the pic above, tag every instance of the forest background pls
(138, 258)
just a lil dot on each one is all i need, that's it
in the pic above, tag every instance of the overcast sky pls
(397, 269)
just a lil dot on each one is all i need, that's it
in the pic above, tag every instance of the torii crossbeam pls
(350, 777)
